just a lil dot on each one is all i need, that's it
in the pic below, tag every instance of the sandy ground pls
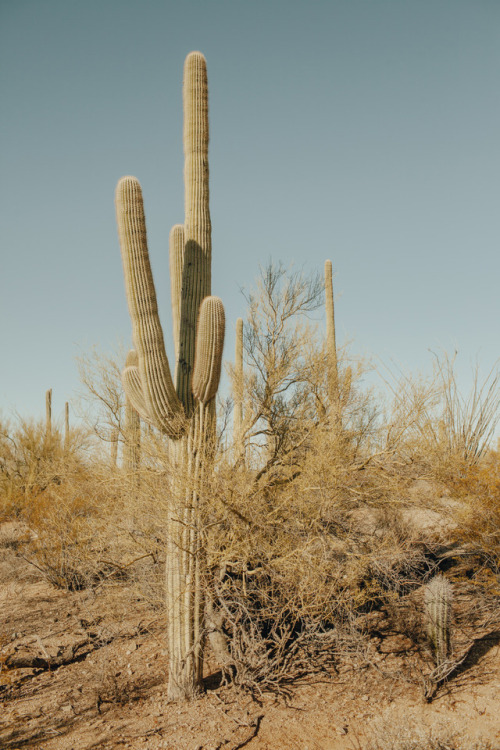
(109, 688)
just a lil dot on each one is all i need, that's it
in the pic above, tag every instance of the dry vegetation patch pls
(349, 563)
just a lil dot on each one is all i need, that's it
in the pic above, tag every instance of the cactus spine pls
(437, 601)
(185, 412)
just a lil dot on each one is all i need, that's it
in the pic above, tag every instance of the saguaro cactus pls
(331, 346)
(437, 600)
(238, 389)
(132, 442)
(334, 392)
(113, 441)
(48, 415)
(66, 426)
(185, 411)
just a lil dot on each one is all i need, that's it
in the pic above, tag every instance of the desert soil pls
(97, 680)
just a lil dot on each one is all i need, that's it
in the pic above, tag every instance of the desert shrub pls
(478, 527)
(63, 497)
(31, 461)
(480, 484)
(295, 565)
(71, 542)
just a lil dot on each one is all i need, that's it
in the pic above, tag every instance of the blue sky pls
(364, 131)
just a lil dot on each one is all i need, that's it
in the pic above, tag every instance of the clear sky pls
(363, 131)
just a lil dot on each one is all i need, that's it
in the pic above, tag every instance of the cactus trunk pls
(185, 412)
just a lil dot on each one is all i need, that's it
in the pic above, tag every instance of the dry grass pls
(410, 736)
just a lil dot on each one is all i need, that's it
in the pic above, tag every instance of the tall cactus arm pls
(131, 381)
(333, 374)
(238, 381)
(196, 277)
(197, 223)
(209, 345)
(162, 402)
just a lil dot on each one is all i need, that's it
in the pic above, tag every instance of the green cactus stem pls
(437, 600)
(182, 408)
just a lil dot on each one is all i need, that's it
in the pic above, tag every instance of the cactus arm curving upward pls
(176, 257)
(131, 381)
(132, 446)
(209, 344)
(162, 403)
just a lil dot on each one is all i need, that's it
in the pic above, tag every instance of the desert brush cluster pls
(312, 515)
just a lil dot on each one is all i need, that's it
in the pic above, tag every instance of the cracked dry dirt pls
(98, 667)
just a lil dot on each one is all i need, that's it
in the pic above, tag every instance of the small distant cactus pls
(238, 388)
(48, 415)
(66, 426)
(331, 348)
(113, 439)
(437, 600)
(346, 386)
(132, 437)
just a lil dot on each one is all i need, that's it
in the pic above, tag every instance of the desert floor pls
(94, 677)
